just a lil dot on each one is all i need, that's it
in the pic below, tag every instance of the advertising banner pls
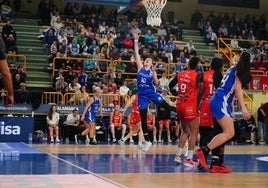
(15, 129)
(259, 82)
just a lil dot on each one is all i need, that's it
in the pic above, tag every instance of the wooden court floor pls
(247, 172)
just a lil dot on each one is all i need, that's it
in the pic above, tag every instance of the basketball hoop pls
(154, 9)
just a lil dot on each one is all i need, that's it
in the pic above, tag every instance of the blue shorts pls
(90, 117)
(144, 99)
(219, 107)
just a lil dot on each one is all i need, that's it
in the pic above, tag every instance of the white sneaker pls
(146, 145)
(155, 141)
(52, 140)
(57, 140)
(140, 147)
(114, 140)
(161, 141)
(87, 140)
(170, 141)
(131, 141)
(178, 159)
(121, 142)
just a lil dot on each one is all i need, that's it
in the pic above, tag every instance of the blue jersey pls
(90, 115)
(146, 89)
(220, 103)
(145, 81)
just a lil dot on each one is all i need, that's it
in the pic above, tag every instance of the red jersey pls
(187, 89)
(116, 118)
(208, 84)
(135, 104)
(150, 119)
(135, 114)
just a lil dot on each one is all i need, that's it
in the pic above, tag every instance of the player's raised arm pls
(136, 50)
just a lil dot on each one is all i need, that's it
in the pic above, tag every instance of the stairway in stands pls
(198, 41)
(29, 45)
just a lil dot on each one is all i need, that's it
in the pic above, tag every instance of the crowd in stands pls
(243, 33)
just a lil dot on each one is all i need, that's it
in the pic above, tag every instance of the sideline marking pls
(265, 159)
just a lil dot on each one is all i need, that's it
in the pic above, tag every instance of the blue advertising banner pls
(15, 129)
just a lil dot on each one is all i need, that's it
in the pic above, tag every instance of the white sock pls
(179, 153)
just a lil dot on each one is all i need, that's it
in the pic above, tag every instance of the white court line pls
(76, 166)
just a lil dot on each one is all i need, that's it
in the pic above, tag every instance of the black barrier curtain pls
(233, 3)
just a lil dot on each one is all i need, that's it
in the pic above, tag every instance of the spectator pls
(162, 43)
(264, 111)
(60, 83)
(151, 124)
(82, 77)
(74, 86)
(53, 118)
(234, 43)
(54, 18)
(119, 66)
(163, 81)
(102, 64)
(211, 37)
(71, 125)
(119, 79)
(127, 42)
(116, 123)
(190, 47)
(21, 72)
(74, 48)
(161, 31)
(260, 118)
(163, 116)
(23, 95)
(6, 11)
(80, 97)
(123, 89)
(133, 86)
(11, 46)
(69, 33)
(16, 82)
(48, 40)
(93, 79)
(149, 39)
(8, 29)
(108, 76)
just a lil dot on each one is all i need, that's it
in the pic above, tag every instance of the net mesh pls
(154, 9)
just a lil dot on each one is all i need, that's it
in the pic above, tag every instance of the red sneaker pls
(219, 169)
(201, 157)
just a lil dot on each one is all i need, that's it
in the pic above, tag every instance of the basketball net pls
(154, 9)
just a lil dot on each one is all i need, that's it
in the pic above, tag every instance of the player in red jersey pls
(116, 122)
(188, 98)
(210, 81)
(151, 123)
(134, 120)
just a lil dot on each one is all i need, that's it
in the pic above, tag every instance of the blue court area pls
(20, 158)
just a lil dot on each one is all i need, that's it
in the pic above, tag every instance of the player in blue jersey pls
(146, 82)
(89, 115)
(234, 81)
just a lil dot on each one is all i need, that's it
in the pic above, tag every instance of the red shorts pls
(135, 118)
(164, 122)
(187, 111)
(205, 114)
(150, 127)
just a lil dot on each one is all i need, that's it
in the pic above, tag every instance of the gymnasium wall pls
(183, 10)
